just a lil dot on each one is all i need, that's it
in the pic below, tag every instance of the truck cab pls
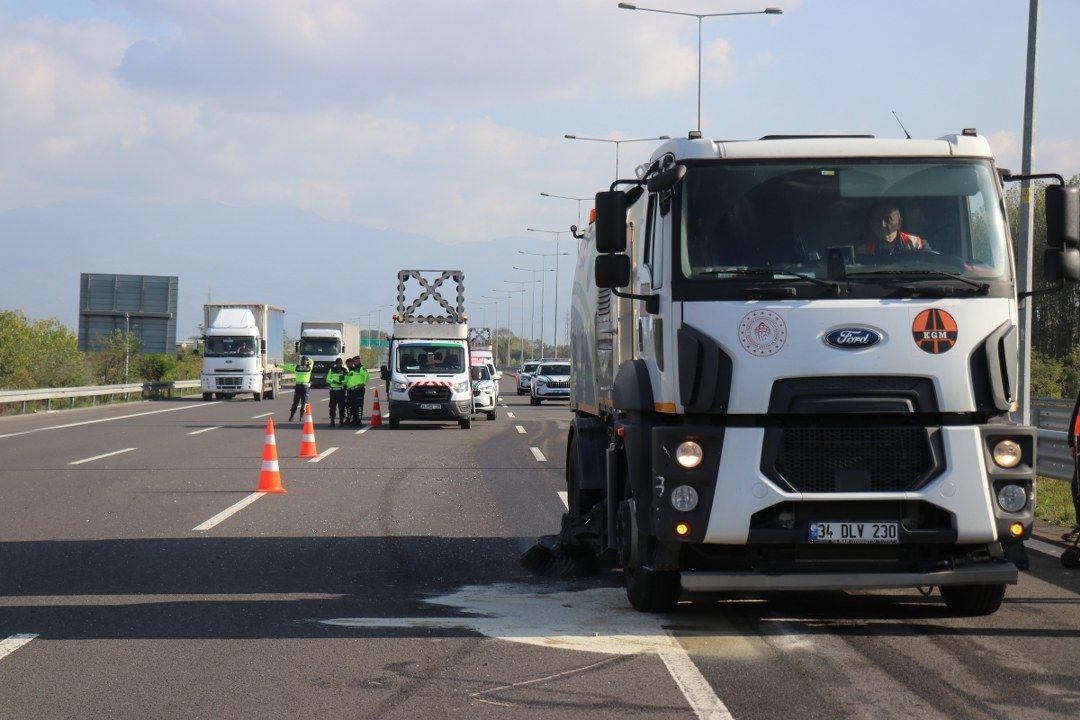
(237, 357)
(323, 342)
(794, 362)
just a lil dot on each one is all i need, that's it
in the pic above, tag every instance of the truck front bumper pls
(446, 410)
(980, 574)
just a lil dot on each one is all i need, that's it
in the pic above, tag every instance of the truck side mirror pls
(667, 179)
(1063, 216)
(1061, 261)
(384, 372)
(296, 346)
(1063, 264)
(612, 271)
(262, 346)
(611, 221)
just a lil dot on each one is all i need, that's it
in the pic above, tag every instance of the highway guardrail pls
(71, 394)
(1051, 416)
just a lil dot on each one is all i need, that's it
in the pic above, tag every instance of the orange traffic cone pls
(270, 477)
(376, 411)
(307, 440)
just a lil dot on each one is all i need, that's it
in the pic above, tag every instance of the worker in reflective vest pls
(355, 388)
(335, 380)
(302, 371)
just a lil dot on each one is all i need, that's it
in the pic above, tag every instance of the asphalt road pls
(385, 584)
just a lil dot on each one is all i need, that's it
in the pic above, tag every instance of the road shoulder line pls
(14, 642)
(99, 457)
(227, 512)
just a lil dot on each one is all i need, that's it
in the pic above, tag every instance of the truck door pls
(652, 328)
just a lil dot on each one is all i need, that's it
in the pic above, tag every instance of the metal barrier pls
(144, 390)
(1051, 416)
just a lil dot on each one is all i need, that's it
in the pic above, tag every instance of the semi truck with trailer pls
(323, 342)
(794, 362)
(428, 376)
(243, 349)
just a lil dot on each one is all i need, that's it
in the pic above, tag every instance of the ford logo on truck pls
(852, 338)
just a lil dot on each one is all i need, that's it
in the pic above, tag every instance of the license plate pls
(430, 406)
(850, 533)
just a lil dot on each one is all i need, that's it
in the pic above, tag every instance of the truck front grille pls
(228, 382)
(853, 459)
(429, 393)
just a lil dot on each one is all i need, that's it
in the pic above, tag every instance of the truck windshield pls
(229, 346)
(418, 358)
(320, 346)
(869, 222)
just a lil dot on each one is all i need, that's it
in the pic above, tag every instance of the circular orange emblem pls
(934, 331)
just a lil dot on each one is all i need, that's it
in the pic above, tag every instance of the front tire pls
(393, 423)
(207, 397)
(647, 590)
(257, 397)
(491, 415)
(972, 600)
(534, 401)
(465, 424)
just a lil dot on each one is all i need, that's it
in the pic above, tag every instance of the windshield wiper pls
(980, 287)
(770, 274)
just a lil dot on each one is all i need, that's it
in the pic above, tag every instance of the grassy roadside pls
(1053, 502)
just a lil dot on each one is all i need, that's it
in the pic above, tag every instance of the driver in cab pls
(885, 236)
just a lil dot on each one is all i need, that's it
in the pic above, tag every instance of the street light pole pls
(522, 326)
(700, 18)
(579, 200)
(555, 313)
(532, 311)
(543, 286)
(616, 143)
(1027, 215)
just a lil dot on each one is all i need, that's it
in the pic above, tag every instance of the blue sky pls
(445, 120)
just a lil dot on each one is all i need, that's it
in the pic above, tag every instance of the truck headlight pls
(398, 386)
(1007, 454)
(689, 454)
(461, 387)
(684, 498)
(1012, 498)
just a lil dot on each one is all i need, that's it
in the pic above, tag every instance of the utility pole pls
(1027, 215)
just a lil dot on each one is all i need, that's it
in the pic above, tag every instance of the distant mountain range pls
(313, 267)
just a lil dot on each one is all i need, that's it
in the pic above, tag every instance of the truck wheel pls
(491, 415)
(257, 397)
(465, 424)
(647, 590)
(973, 599)
(1071, 558)
(207, 397)
(272, 392)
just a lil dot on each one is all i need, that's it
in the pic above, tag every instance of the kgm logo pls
(852, 338)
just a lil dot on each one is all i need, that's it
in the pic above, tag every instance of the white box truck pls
(243, 348)
(323, 342)
(428, 376)
(794, 362)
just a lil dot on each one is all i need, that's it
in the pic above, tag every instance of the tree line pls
(37, 353)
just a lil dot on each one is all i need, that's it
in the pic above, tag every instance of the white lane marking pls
(504, 404)
(216, 427)
(509, 414)
(14, 642)
(537, 454)
(362, 430)
(98, 457)
(108, 419)
(695, 688)
(597, 620)
(565, 498)
(520, 429)
(256, 417)
(1043, 547)
(323, 454)
(231, 510)
(325, 400)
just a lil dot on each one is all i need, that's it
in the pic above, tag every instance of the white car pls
(550, 382)
(485, 395)
(496, 376)
(525, 377)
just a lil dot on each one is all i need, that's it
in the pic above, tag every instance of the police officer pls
(303, 384)
(335, 380)
(355, 388)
